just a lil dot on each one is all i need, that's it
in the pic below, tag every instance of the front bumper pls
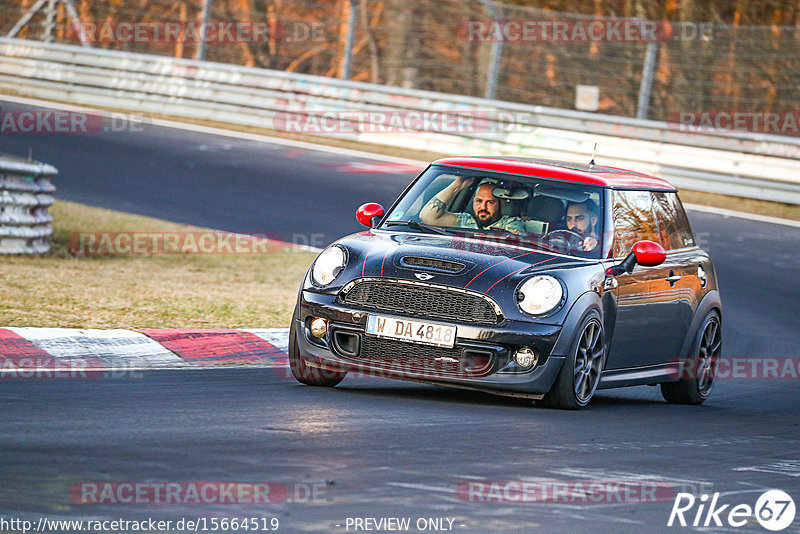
(487, 351)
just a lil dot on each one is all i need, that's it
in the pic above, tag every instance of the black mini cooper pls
(531, 278)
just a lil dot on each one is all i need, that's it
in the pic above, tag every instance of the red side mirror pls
(649, 254)
(366, 212)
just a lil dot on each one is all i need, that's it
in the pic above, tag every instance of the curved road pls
(372, 448)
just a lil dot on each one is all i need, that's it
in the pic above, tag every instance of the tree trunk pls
(404, 42)
(372, 43)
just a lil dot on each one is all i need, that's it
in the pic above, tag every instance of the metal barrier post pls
(201, 46)
(49, 30)
(497, 52)
(349, 42)
(648, 70)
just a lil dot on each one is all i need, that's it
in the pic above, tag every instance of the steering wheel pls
(563, 240)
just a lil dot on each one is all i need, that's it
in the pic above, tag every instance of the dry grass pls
(155, 291)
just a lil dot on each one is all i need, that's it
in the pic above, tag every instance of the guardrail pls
(745, 164)
(25, 196)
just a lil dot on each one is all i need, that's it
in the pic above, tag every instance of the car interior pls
(541, 206)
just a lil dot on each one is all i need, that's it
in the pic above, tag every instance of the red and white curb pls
(31, 351)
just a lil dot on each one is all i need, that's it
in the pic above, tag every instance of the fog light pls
(525, 357)
(319, 327)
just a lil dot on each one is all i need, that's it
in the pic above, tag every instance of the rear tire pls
(304, 373)
(579, 376)
(700, 369)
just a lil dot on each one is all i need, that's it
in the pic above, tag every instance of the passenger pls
(486, 207)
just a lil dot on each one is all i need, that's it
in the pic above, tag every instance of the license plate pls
(413, 331)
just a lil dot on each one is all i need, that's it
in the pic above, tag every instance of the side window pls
(672, 222)
(633, 220)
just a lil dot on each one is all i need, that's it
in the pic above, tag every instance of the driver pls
(582, 219)
(486, 207)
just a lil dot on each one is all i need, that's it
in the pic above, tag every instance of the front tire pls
(578, 379)
(304, 373)
(700, 370)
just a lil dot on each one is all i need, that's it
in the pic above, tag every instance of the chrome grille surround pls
(433, 264)
(420, 299)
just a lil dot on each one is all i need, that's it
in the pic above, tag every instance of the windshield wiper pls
(420, 226)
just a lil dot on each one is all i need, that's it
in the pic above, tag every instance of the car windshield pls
(526, 210)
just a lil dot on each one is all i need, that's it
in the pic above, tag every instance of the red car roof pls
(563, 170)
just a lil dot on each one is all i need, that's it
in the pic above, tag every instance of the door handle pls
(673, 278)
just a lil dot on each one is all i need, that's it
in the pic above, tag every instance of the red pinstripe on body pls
(387, 253)
(503, 261)
(515, 272)
(384, 260)
(364, 266)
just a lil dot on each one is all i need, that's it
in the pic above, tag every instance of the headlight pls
(539, 294)
(328, 265)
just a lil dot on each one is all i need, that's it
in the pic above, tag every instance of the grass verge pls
(145, 291)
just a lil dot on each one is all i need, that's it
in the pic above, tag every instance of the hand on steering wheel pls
(564, 239)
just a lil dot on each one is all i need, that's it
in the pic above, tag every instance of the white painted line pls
(223, 132)
(277, 337)
(117, 348)
(742, 215)
(580, 473)
(781, 467)
(437, 489)
(287, 142)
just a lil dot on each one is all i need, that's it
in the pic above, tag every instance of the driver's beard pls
(486, 219)
(577, 231)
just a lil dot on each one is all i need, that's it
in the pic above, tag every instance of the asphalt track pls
(373, 448)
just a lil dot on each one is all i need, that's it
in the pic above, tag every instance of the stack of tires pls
(26, 193)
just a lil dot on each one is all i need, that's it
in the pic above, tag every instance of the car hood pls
(386, 254)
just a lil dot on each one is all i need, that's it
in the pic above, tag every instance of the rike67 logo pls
(774, 510)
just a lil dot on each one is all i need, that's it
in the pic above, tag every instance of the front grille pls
(400, 358)
(433, 264)
(424, 301)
